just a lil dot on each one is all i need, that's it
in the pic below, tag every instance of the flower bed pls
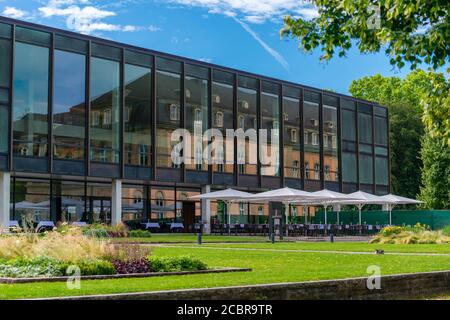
(57, 254)
(418, 234)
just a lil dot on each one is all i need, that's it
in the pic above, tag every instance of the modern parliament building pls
(86, 123)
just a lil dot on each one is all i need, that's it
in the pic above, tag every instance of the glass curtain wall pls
(5, 75)
(222, 109)
(105, 110)
(349, 158)
(30, 104)
(270, 122)
(69, 108)
(247, 119)
(291, 138)
(311, 136)
(365, 145)
(381, 150)
(330, 139)
(30, 201)
(137, 115)
(196, 119)
(168, 115)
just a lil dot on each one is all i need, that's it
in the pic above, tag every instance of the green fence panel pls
(436, 219)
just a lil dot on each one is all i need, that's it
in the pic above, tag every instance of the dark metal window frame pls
(211, 67)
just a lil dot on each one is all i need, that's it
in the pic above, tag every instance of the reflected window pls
(330, 156)
(222, 108)
(105, 104)
(30, 104)
(196, 120)
(247, 119)
(69, 108)
(137, 115)
(168, 116)
(270, 113)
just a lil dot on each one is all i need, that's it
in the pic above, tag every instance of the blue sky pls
(242, 34)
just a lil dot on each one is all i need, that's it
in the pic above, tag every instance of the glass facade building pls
(78, 112)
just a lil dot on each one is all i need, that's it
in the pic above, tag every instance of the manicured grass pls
(190, 238)
(343, 246)
(268, 267)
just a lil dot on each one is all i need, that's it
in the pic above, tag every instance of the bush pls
(132, 266)
(98, 230)
(37, 267)
(140, 234)
(446, 230)
(95, 267)
(410, 235)
(172, 264)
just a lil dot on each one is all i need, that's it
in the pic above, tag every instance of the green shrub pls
(173, 264)
(95, 267)
(29, 268)
(96, 231)
(446, 230)
(140, 234)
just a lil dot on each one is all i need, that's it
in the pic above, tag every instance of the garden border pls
(5, 280)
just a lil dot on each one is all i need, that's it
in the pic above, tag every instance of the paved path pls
(311, 251)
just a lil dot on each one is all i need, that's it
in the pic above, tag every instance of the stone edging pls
(400, 286)
(121, 276)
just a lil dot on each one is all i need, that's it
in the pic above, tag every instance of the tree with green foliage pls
(408, 31)
(435, 153)
(402, 97)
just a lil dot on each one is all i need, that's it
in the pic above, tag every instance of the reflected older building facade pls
(78, 114)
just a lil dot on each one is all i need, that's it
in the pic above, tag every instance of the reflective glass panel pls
(291, 138)
(69, 109)
(270, 144)
(330, 144)
(168, 116)
(137, 115)
(311, 140)
(30, 105)
(196, 120)
(222, 108)
(247, 121)
(105, 110)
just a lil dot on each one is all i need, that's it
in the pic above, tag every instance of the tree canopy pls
(408, 31)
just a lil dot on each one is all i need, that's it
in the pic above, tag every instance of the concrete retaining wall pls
(402, 286)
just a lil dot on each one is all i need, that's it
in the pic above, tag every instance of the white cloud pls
(208, 60)
(255, 11)
(275, 54)
(14, 13)
(85, 16)
(153, 28)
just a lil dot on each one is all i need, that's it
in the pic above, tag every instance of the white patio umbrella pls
(228, 195)
(363, 199)
(392, 200)
(285, 195)
(328, 197)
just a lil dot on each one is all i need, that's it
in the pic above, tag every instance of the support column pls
(5, 182)
(116, 202)
(206, 211)
(337, 209)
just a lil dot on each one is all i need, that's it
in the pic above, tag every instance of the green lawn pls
(342, 246)
(268, 267)
(190, 238)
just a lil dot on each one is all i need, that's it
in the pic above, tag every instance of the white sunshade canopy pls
(325, 196)
(229, 195)
(282, 195)
(362, 199)
(394, 200)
